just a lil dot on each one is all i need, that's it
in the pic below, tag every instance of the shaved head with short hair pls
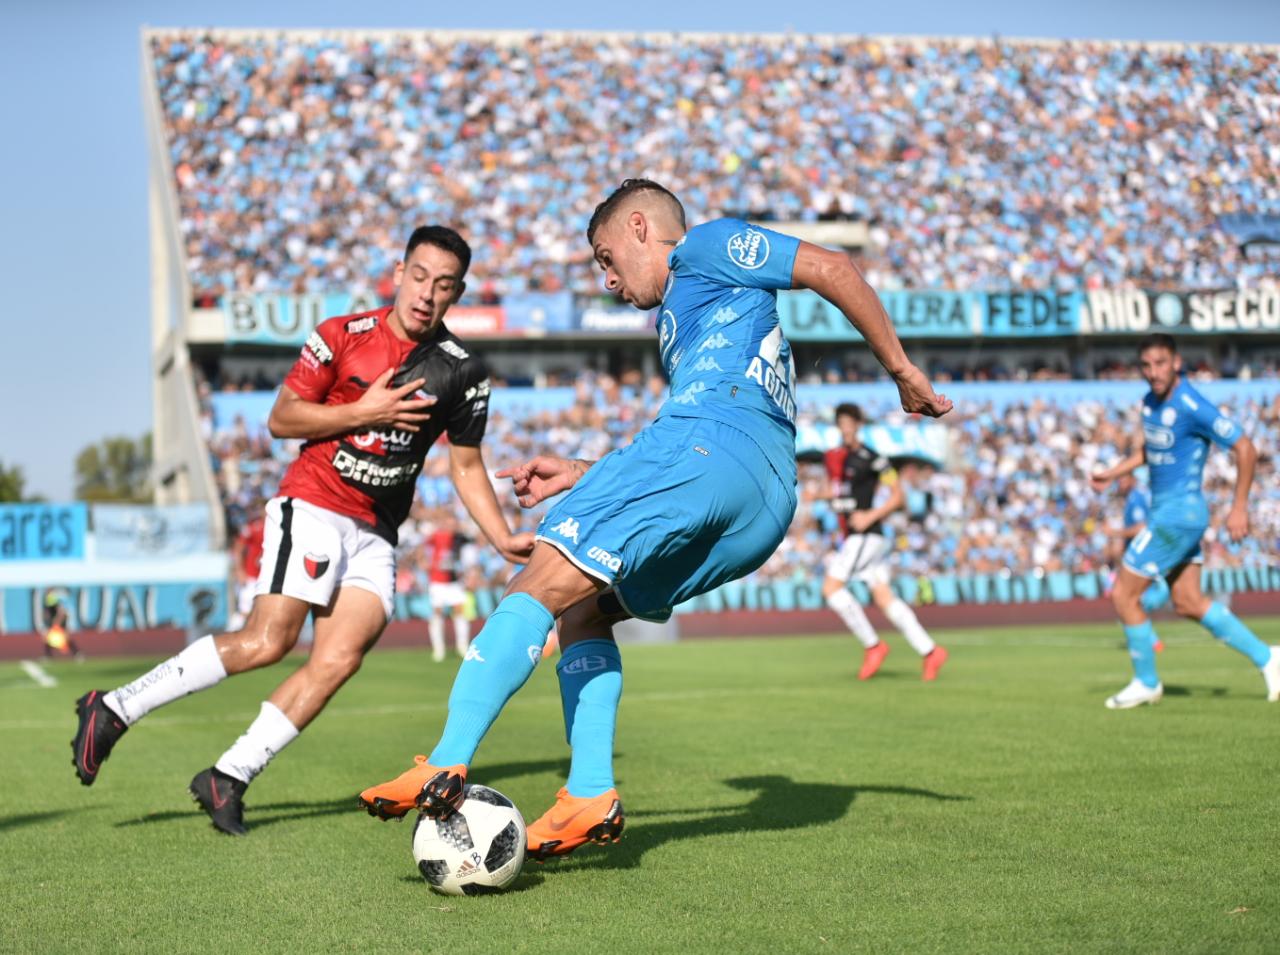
(644, 194)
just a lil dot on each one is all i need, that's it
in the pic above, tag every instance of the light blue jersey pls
(719, 336)
(1177, 432)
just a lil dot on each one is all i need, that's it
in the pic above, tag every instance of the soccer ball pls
(480, 848)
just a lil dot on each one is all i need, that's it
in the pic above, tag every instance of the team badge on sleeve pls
(316, 565)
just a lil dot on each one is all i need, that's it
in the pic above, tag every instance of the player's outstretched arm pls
(543, 477)
(838, 280)
(1246, 461)
(381, 406)
(471, 480)
(897, 499)
(1100, 479)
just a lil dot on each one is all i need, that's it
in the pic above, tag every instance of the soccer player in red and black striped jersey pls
(855, 473)
(370, 394)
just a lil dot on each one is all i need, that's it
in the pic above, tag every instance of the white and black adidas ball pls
(480, 848)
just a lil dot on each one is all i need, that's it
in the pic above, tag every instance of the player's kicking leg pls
(270, 632)
(1190, 601)
(344, 632)
(587, 807)
(499, 661)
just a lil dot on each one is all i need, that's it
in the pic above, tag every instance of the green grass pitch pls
(774, 804)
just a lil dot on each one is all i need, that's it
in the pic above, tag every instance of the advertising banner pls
(129, 532)
(535, 313)
(194, 605)
(42, 531)
(1137, 312)
(628, 321)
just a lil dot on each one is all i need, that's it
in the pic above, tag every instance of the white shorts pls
(308, 552)
(446, 594)
(863, 557)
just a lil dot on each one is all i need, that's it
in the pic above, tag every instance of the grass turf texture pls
(774, 804)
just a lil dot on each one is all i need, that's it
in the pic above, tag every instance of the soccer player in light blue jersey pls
(1178, 423)
(702, 496)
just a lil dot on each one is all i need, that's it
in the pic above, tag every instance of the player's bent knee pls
(830, 586)
(334, 670)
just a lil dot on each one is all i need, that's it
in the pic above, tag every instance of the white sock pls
(435, 629)
(461, 633)
(854, 617)
(265, 737)
(904, 618)
(196, 668)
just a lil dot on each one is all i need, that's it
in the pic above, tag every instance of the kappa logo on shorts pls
(316, 565)
(568, 529)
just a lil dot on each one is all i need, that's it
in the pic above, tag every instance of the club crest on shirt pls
(316, 565)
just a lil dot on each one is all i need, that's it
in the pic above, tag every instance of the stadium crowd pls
(1014, 494)
(975, 164)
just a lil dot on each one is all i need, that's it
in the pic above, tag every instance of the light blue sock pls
(1155, 596)
(590, 674)
(1226, 626)
(497, 664)
(1141, 638)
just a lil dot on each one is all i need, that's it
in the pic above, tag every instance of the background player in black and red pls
(370, 394)
(855, 473)
(447, 552)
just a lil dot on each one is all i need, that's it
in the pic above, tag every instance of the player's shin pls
(850, 611)
(196, 668)
(1141, 639)
(1228, 628)
(904, 619)
(271, 732)
(590, 673)
(497, 664)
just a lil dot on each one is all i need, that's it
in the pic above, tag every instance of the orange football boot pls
(1158, 646)
(575, 820)
(437, 792)
(872, 657)
(933, 661)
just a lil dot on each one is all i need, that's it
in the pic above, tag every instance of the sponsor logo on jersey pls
(315, 565)
(372, 474)
(718, 340)
(316, 345)
(667, 326)
(706, 363)
(535, 654)
(1168, 416)
(568, 529)
(1157, 437)
(749, 249)
(478, 391)
(590, 664)
(724, 316)
(453, 348)
(1223, 428)
(602, 556)
(370, 439)
(358, 326)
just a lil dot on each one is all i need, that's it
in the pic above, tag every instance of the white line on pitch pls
(38, 673)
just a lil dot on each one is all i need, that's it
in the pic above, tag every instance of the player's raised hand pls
(1238, 524)
(917, 394)
(384, 406)
(542, 477)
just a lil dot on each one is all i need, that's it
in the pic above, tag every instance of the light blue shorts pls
(1163, 546)
(689, 505)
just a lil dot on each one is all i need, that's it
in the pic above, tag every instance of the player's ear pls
(397, 276)
(639, 225)
(459, 289)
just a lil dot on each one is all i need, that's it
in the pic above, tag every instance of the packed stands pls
(975, 164)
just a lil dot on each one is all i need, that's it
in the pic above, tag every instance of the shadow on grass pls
(779, 805)
(25, 819)
(291, 811)
(524, 881)
(1170, 690)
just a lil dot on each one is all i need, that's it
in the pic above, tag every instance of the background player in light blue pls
(1177, 425)
(702, 496)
